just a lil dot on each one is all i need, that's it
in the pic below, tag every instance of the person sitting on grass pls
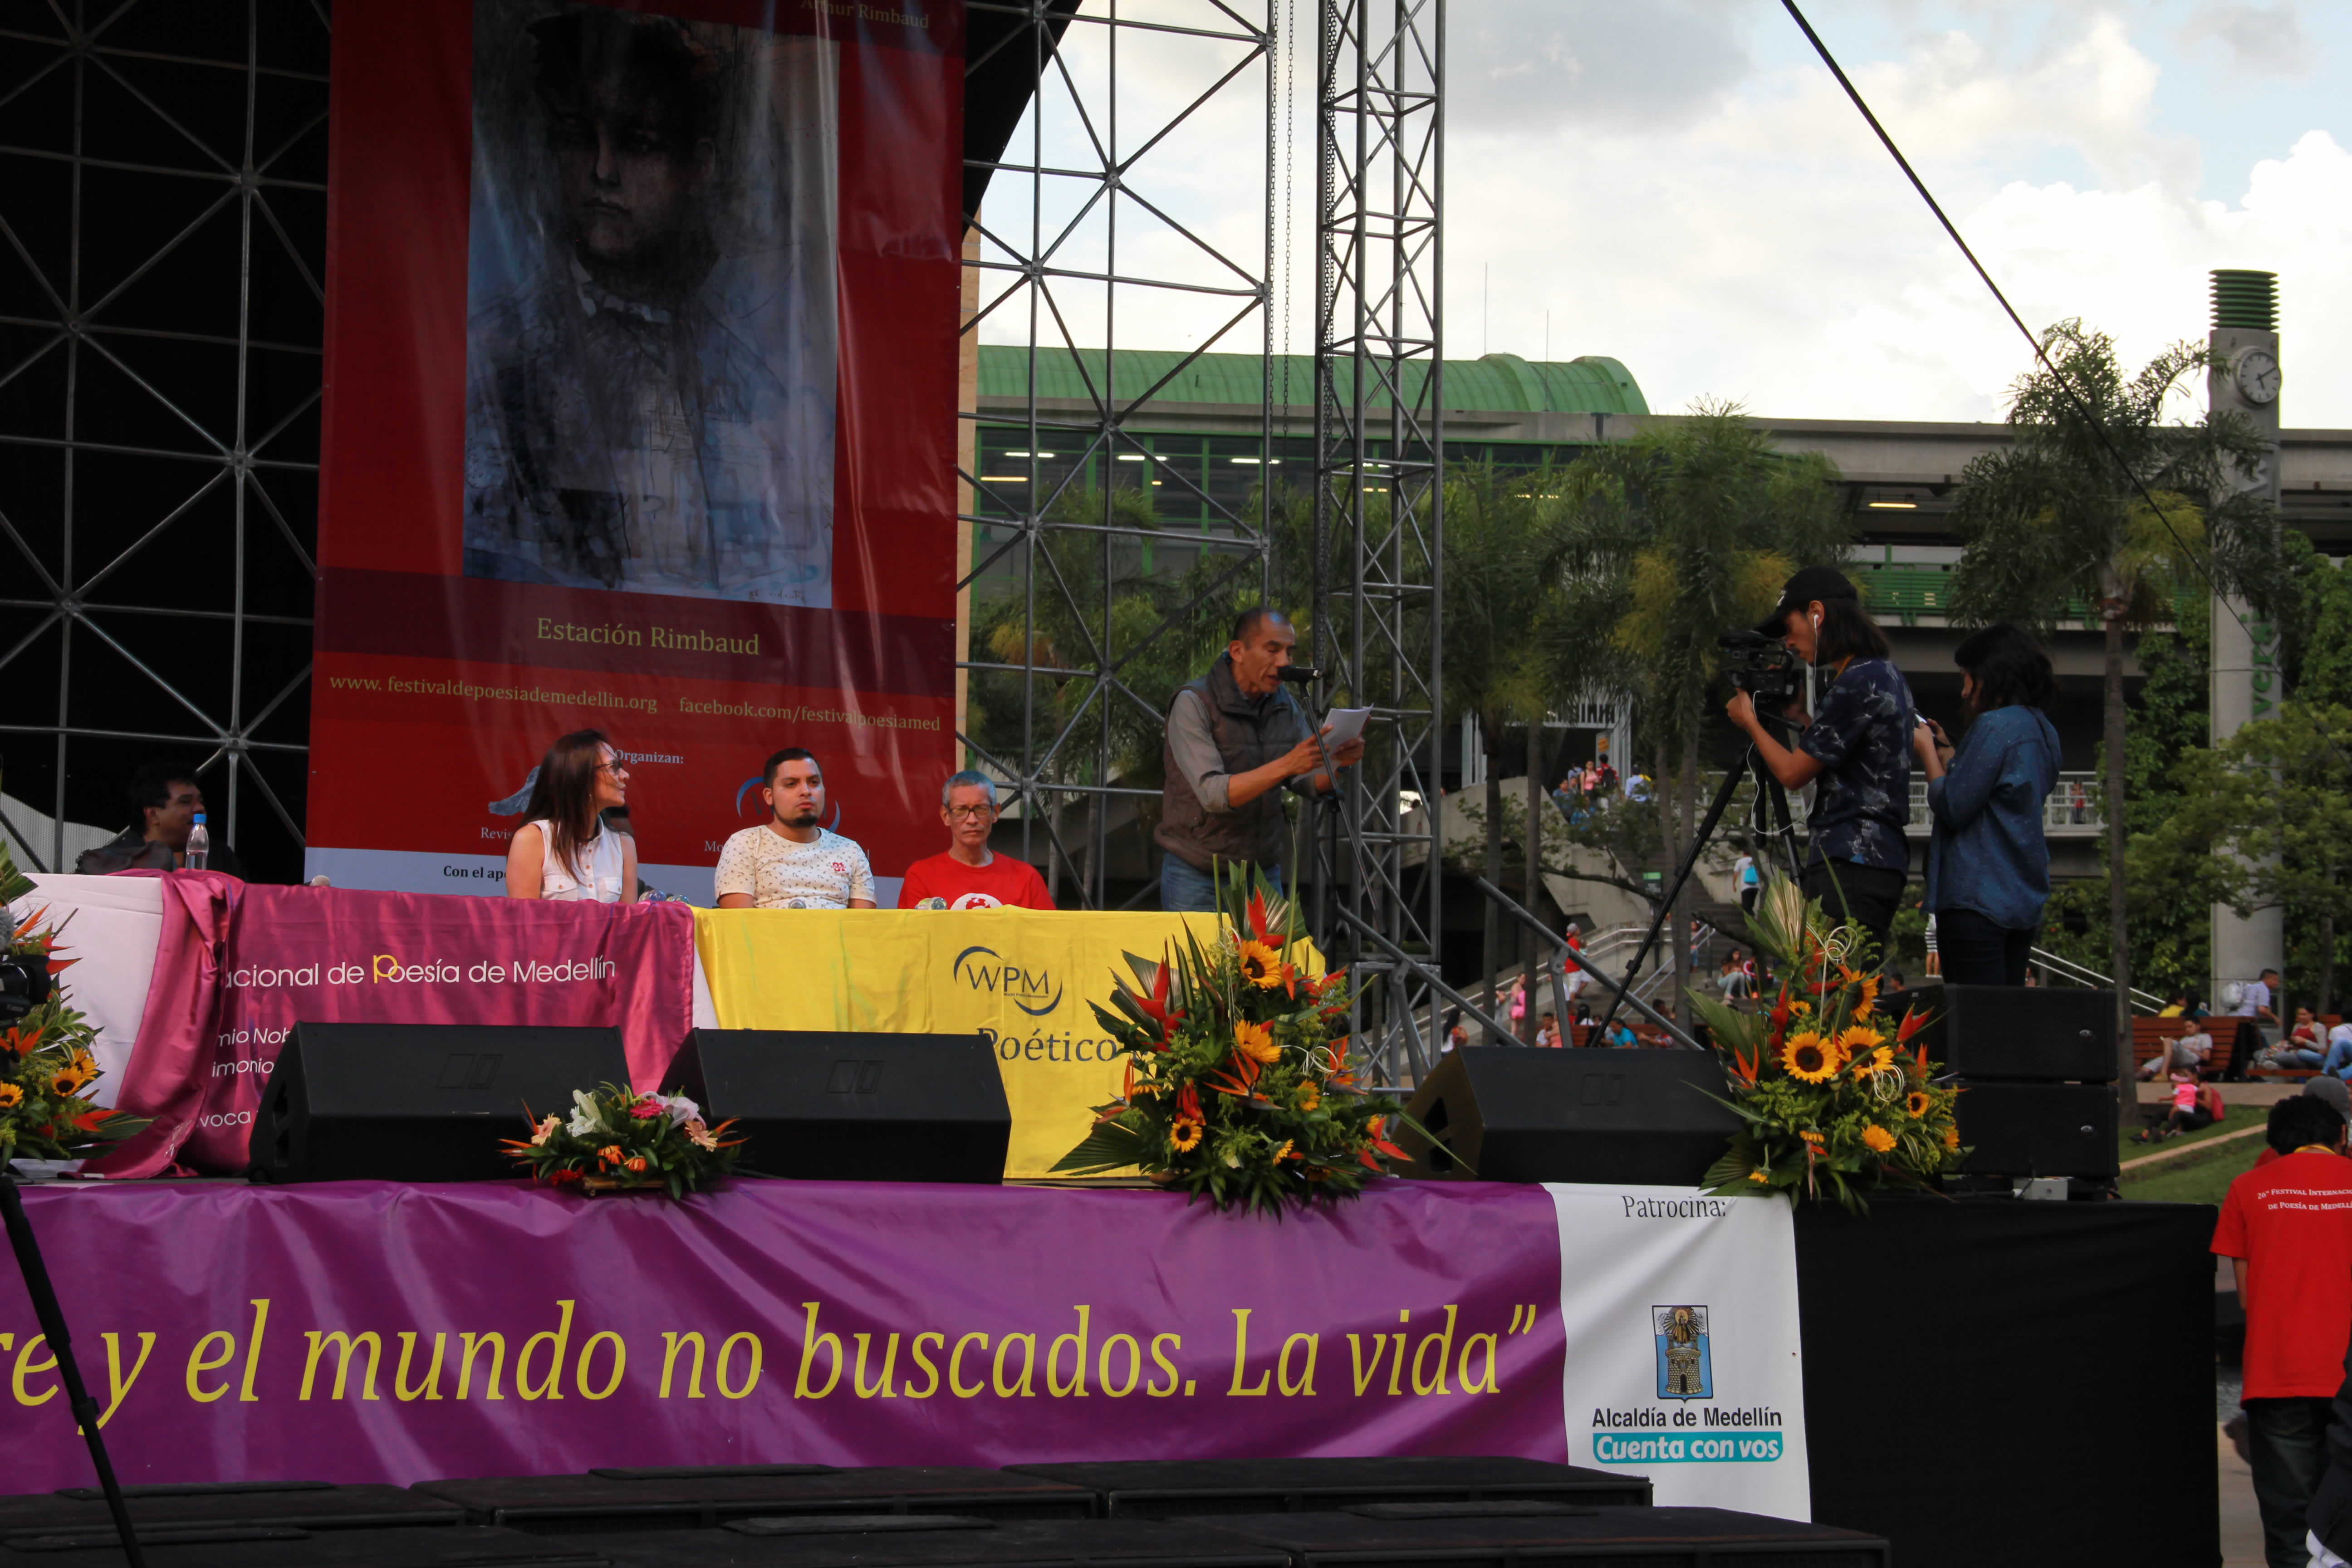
(2194, 1106)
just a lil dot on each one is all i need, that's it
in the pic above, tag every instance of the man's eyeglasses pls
(971, 812)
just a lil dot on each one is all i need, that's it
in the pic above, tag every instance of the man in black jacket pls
(163, 807)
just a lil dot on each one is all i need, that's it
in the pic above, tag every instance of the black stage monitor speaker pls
(1517, 1113)
(847, 1107)
(1477, 1535)
(2038, 1129)
(607, 1501)
(417, 1102)
(307, 1505)
(939, 1542)
(2034, 1034)
(1178, 1488)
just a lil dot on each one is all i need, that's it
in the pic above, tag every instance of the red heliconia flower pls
(1913, 1022)
(1155, 1006)
(1257, 916)
(1188, 1102)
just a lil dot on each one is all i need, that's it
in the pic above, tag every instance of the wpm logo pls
(1685, 1367)
(1033, 991)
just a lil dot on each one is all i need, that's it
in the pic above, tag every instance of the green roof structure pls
(1594, 384)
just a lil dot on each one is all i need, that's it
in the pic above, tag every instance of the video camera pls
(25, 984)
(1762, 667)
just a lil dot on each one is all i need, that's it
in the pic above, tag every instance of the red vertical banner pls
(639, 417)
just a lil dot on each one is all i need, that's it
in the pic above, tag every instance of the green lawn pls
(2241, 1117)
(2192, 1178)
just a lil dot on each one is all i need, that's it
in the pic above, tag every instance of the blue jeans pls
(2339, 1057)
(1184, 889)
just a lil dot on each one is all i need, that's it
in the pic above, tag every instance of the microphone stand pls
(53, 1328)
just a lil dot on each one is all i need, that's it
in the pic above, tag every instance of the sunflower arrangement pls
(46, 1071)
(616, 1140)
(1238, 1085)
(1836, 1100)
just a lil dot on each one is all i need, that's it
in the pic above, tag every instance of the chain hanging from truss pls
(1379, 503)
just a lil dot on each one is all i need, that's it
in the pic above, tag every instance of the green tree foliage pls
(2265, 820)
(1682, 535)
(2098, 496)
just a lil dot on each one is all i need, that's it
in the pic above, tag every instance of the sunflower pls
(1287, 1151)
(1869, 1051)
(1309, 1097)
(1916, 1103)
(1809, 1059)
(1184, 1135)
(1810, 1137)
(1869, 984)
(1261, 965)
(1255, 1041)
(1952, 1138)
(10, 1095)
(1877, 1138)
(1757, 1176)
(68, 1081)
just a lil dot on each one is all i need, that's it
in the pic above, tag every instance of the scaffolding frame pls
(213, 121)
(1379, 512)
(1069, 226)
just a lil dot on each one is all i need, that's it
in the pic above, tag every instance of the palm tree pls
(1701, 523)
(2097, 498)
(1496, 537)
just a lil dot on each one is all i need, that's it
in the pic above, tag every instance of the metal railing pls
(2073, 974)
(2075, 805)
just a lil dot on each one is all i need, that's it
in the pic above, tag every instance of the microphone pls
(1298, 674)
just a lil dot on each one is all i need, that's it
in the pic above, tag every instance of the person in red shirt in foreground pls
(2288, 1228)
(970, 876)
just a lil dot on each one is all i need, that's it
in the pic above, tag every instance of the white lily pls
(584, 1120)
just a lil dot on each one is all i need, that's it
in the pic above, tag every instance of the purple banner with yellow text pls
(361, 1331)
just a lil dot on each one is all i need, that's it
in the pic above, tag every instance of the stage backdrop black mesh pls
(1993, 1381)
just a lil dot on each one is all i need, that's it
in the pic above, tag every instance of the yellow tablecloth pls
(1026, 978)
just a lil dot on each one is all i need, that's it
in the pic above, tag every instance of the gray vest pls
(1250, 732)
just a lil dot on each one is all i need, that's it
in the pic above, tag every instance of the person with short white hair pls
(968, 875)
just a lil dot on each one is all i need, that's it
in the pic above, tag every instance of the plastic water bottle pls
(200, 845)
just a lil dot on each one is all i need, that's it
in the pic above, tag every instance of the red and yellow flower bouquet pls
(1836, 1099)
(47, 1069)
(1239, 1088)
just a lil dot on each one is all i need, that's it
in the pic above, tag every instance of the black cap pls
(1810, 584)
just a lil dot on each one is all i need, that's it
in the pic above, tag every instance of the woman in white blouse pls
(563, 851)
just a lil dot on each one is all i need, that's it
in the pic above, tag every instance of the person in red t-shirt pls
(970, 876)
(2287, 1226)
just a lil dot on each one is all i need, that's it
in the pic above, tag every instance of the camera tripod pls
(1772, 827)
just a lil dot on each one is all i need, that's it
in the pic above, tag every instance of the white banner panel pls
(1683, 1363)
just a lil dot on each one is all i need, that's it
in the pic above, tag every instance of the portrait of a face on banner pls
(642, 356)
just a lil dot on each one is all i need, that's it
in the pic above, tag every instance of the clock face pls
(2257, 374)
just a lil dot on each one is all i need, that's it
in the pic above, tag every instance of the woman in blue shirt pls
(1988, 862)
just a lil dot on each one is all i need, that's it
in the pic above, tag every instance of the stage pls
(1983, 1381)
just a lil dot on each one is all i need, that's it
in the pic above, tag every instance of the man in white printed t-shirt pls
(789, 862)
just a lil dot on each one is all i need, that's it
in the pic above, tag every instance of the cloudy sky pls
(1679, 183)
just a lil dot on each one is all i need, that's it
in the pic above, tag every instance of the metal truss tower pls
(162, 207)
(1380, 502)
(1093, 234)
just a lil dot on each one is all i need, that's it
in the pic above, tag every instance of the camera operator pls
(1858, 747)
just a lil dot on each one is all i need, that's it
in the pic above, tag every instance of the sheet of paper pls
(1346, 724)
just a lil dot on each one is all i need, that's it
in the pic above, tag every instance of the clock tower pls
(2247, 682)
